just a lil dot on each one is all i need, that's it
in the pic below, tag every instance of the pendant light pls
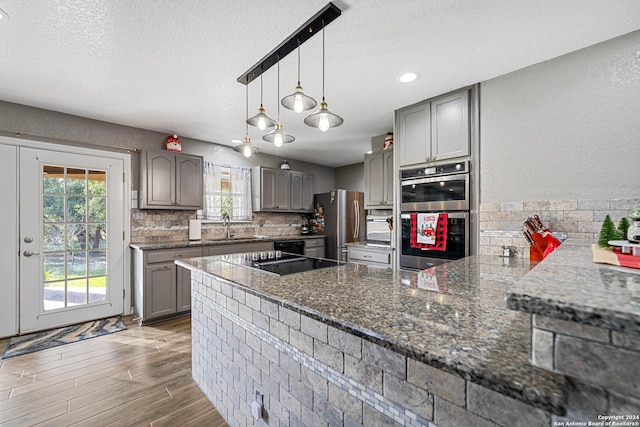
(323, 119)
(298, 101)
(276, 136)
(261, 120)
(246, 148)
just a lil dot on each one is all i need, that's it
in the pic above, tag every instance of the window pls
(227, 191)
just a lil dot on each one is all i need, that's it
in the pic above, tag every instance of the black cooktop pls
(290, 264)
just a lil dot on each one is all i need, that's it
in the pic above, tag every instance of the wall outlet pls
(256, 407)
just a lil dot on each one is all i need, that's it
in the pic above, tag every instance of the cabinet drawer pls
(172, 254)
(314, 243)
(368, 256)
(238, 248)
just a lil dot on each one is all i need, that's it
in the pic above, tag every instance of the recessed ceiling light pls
(408, 77)
(236, 141)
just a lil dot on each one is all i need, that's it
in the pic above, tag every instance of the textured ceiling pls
(171, 66)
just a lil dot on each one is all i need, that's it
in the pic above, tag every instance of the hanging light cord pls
(260, 88)
(323, 59)
(278, 87)
(247, 107)
(298, 62)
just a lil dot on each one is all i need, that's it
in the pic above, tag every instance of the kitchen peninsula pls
(359, 345)
(355, 344)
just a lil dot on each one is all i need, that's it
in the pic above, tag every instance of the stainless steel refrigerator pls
(344, 220)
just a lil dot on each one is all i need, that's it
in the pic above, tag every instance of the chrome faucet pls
(226, 221)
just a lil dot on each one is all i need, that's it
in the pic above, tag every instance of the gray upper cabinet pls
(278, 190)
(378, 180)
(170, 181)
(432, 130)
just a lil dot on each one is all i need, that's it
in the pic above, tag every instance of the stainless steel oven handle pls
(459, 177)
(455, 215)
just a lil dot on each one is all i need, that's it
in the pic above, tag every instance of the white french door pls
(71, 238)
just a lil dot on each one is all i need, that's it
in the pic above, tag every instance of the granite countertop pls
(567, 285)
(179, 244)
(454, 318)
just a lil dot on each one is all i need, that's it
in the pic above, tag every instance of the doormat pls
(55, 337)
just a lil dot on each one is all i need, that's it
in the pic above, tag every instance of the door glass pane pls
(76, 209)
(76, 292)
(74, 223)
(53, 237)
(76, 264)
(76, 236)
(53, 208)
(97, 236)
(76, 181)
(97, 183)
(53, 179)
(97, 209)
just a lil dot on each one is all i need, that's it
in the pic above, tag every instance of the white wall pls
(568, 128)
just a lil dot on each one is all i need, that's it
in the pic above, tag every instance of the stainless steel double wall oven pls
(444, 190)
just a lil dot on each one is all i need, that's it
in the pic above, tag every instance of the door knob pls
(28, 239)
(30, 253)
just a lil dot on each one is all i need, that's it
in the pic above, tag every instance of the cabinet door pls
(283, 189)
(161, 179)
(183, 284)
(450, 126)
(414, 134)
(387, 160)
(373, 180)
(314, 252)
(189, 181)
(160, 290)
(268, 189)
(307, 193)
(297, 180)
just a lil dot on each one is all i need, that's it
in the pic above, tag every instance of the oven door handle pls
(450, 214)
(458, 177)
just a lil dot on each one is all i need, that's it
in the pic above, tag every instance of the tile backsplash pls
(500, 223)
(148, 226)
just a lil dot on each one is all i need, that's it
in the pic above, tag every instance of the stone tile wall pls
(598, 361)
(500, 224)
(313, 374)
(149, 226)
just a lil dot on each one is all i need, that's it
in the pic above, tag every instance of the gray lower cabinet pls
(314, 247)
(370, 255)
(435, 129)
(161, 288)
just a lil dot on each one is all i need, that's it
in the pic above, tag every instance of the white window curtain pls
(240, 193)
(226, 188)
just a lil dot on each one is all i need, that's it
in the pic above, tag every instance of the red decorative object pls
(173, 144)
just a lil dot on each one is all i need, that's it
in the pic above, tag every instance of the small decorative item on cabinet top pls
(284, 165)
(388, 141)
(173, 144)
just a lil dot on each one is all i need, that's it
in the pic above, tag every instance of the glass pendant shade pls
(323, 119)
(277, 137)
(246, 148)
(261, 120)
(298, 101)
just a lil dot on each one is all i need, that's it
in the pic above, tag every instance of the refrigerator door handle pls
(356, 226)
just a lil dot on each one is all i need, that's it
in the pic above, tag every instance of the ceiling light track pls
(307, 30)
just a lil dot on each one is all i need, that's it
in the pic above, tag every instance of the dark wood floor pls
(137, 377)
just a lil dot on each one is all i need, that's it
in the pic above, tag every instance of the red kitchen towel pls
(441, 234)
